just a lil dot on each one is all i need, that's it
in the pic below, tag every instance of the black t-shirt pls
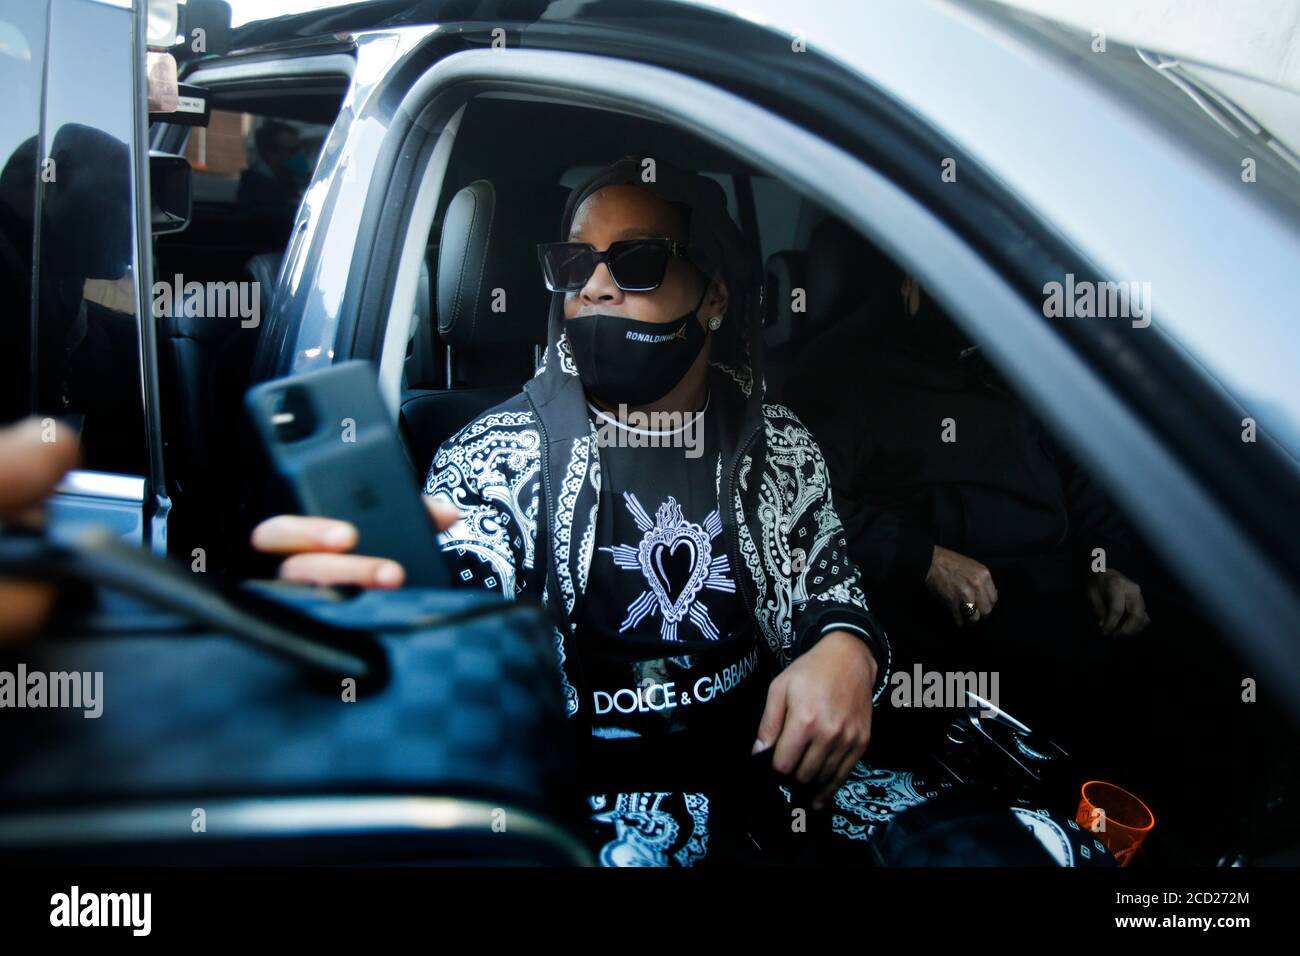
(673, 678)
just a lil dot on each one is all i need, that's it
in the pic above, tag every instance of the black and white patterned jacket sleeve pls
(815, 584)
(490, 472)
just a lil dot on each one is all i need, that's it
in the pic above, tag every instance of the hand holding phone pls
(321, 550)
(329, 435)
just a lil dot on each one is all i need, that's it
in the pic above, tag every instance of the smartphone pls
(330, 436)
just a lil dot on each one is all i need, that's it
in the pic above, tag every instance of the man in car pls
(695, 571)
(274, 183)
(982, 536)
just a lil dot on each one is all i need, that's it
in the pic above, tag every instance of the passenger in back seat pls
(977, 533)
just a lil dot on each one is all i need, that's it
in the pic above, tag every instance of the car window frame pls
(986, 293)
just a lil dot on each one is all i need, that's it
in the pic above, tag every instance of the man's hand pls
(818, 714)
(318, 549)
(1117, 602)
(30, 467)
(957, 580)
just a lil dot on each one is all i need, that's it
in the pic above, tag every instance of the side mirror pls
(170, 192)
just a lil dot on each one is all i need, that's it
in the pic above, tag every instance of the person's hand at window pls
(318, 550)
(34, 455)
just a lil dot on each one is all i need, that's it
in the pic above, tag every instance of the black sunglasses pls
(637, 265)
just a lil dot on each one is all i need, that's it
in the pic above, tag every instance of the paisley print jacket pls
(525, 476)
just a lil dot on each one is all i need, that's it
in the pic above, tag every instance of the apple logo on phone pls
(364, 497)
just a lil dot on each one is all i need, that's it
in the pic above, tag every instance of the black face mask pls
(623, 361)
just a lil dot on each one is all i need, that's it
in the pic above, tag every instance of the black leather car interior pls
(264, 269)
(844, 278)
(490, 306)
(205, 362)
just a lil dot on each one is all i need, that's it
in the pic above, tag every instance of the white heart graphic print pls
(675, 556)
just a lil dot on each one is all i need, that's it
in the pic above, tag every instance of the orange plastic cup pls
(1120, 820)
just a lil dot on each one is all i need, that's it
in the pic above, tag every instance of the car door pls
(77, 255)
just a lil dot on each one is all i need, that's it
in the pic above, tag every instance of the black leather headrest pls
(265, 269)
(786, 272)
(489, 288)
(210, 319)
(836, 282)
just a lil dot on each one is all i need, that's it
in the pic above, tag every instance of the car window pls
(85, 356)
(777, 207)
(260, 164)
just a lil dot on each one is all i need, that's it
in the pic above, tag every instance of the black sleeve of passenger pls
(888, 551)
(1094, 521)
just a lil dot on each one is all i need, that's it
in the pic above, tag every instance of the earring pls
(715, 322)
